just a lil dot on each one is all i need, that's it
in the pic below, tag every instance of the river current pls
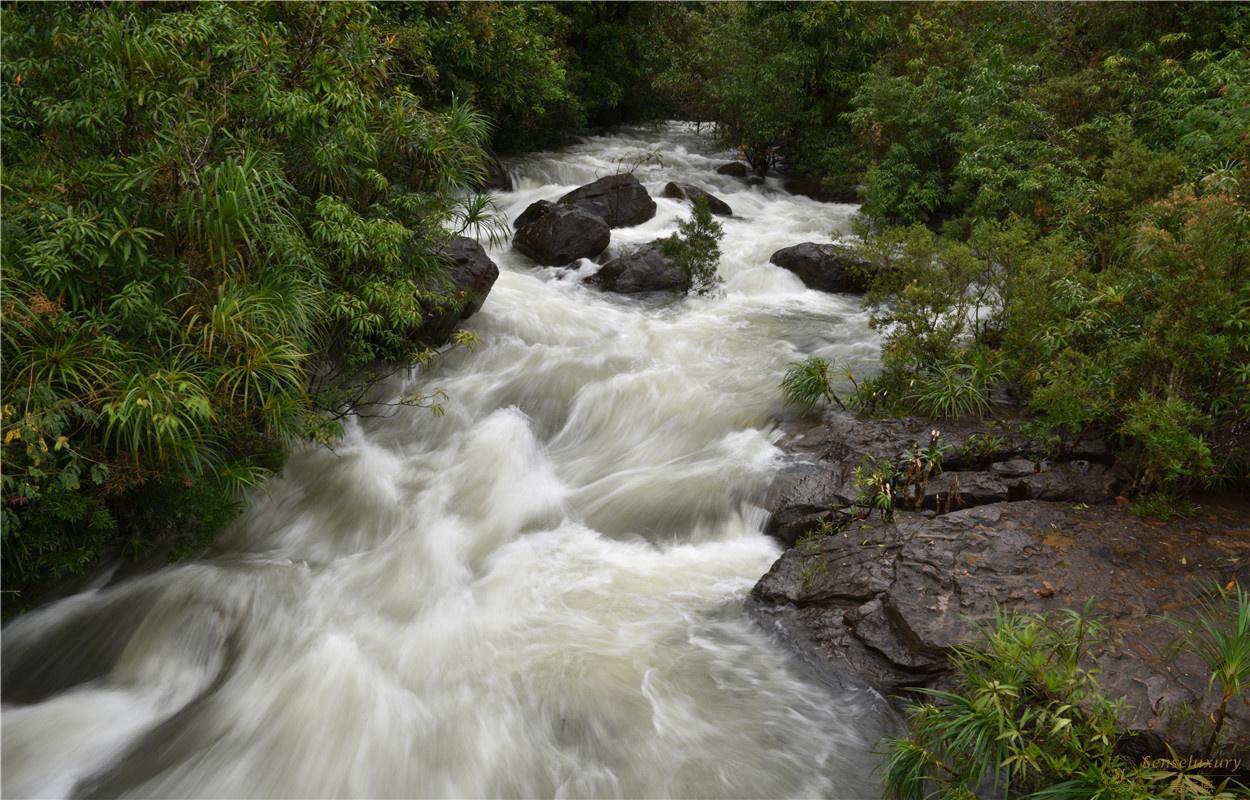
(539, 594)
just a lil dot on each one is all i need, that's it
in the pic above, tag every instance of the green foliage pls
(874, 480)
(208, 211)
(809, 383)
(1027, 718)
(981, 447)
(695, 248)
(774, 78)
(1163, 506)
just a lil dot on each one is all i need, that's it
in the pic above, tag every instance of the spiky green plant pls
(953, 390)
(1219, 634)
(1026, 718)
(809, 384)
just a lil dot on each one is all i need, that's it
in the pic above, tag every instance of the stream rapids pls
(539, 594)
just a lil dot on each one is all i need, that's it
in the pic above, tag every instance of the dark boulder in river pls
(620, 200)
(735, 168)
(472, 276)
(646, 269)
(825, 267)
(531, 213)
(562, 235)
(686, 191)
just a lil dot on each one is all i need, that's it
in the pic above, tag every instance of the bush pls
(1028, 719)
(695, 248)
(205, 210)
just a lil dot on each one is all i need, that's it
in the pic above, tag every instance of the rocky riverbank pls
(883, 600)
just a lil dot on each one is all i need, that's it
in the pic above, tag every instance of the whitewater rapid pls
(539, 594)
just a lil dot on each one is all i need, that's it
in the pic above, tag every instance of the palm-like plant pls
(809, 383)
(1220, 635)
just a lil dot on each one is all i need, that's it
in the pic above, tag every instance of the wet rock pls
(951, 491)
(619, 200)
(686, 191)
(1014, 468)
(562, 235)
(531, 213)
(735, 168)
(889, 600)
(1075, 481)
(646, 269)
(825, 267)
(472, 275)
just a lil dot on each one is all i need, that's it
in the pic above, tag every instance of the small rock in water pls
(686, 191)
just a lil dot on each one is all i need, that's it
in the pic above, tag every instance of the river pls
(540, 593)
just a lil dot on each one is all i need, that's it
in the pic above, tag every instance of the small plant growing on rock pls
(1220, 636)
(696, 247)
(809, 384)
(922, 465)
(875, 480)
(979, 448)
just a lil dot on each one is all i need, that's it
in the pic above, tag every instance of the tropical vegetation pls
(221, 222)
(1026, 716)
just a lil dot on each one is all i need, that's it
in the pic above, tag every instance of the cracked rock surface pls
(884, 601)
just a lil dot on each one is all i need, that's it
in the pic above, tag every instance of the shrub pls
(695, 248)
(1026, 718)
(206, 210)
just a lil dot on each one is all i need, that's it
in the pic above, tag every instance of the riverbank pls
(996, 529)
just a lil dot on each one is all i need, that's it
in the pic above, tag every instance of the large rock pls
(620, 200)
(826, 267)
(531, 213)
(471, 277)
(686, 191)
(646, 269)
(735, 168)
(982, 462)
(563, 234)
(887, 601)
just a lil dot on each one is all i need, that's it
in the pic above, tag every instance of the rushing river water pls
(539, 594)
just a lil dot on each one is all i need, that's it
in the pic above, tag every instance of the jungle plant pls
(1219, 634)
(1027, 718)
(695, 248)
(809, 384)
(207, 210)
(920, 465)
(875, 480)
(978, 448)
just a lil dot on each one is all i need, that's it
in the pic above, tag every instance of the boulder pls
(825, 267)
(562, 235)
(817, 484)
(531, 214)
(646, 269)
(735, 168)
(686, 191)
(620, 200)
(471, 276)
